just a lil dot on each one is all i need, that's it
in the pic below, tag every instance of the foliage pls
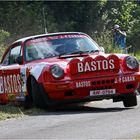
(134, 38)
(97, 18)
(3, 39)
(119, 12)
(106, 41)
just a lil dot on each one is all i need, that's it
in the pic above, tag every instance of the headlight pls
(57, 71)
(132, 63)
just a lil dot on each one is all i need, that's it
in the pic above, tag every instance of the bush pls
(106, 40)
(3, 38)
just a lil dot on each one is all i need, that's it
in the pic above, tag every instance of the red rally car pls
(68, 67)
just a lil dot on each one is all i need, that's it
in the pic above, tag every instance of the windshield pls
(51, 46)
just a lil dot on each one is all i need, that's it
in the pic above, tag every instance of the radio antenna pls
(44, 20)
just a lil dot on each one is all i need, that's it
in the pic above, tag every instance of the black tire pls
(38, 99)
(28, 102)
(130, 100)
(138, 88)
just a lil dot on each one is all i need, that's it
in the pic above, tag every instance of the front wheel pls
(130, 100)
(38, 99)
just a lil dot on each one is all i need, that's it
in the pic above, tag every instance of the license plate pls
(102, 92)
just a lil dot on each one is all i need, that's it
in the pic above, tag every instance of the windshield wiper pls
(71, 53)
(63, 54)
(79, 52)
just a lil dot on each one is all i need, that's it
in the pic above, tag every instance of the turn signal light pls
(62, 86)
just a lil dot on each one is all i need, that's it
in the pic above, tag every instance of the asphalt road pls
(95, 120)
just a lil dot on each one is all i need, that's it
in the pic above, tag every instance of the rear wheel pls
(38, 98)
(130, 100)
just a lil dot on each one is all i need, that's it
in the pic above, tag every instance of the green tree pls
(134, 38)
(117, 12)
(24, 18)
(3, 39)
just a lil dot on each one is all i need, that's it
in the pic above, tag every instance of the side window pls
(6, 59)
(15, 52)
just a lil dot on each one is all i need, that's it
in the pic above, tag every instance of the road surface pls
(95, 120)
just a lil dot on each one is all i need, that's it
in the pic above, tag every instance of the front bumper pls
(80, 89)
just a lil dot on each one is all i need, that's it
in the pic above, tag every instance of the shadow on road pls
(11, 111)
(75, 108)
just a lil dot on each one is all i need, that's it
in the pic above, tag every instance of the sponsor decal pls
(82, 84)
(43, 39)
(125, 79)
(65, 36)
(96, 65)
(10, 84)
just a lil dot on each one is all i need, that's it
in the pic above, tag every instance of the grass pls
(138, 57)
(12, 111)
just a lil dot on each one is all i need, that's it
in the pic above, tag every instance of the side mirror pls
(19, 60)
(102, 49)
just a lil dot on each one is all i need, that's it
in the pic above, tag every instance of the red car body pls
(55, 76)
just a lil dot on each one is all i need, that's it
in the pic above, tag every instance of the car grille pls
(103, 84)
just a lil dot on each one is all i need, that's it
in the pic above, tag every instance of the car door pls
(10, 72)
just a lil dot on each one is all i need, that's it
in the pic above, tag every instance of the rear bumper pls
(80, 89)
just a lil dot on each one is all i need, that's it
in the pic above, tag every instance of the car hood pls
(67, 59)
(87, 65)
